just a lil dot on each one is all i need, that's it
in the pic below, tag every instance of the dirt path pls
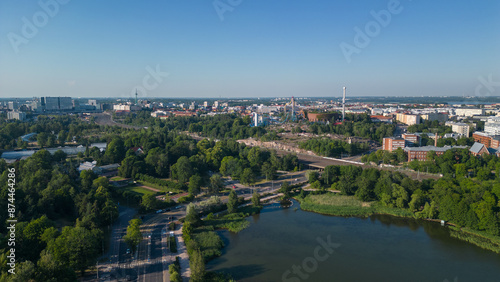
(149, 188)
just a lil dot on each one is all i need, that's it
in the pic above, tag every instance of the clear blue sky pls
(261, 48)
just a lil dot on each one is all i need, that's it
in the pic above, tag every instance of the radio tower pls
(293, 109)
(343, 106)
(136, 96)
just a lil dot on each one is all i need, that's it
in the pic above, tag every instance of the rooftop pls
(433, 148)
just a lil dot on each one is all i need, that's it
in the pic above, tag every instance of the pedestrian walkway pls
(183, 255)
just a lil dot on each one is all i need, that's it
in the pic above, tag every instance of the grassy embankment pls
(339, 205)
(209, 241)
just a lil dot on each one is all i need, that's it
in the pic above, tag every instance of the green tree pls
(115, 152)
(76, 247)
(150, 202)
(192, 215)
(256, 199)
(61, 137)
(134, 235)
(216, 183)
(197, 266)
(247, 177)
(50, 269)
(42, 139)
(269, 171)
(232, 203)
(182, 169)
(195, 182)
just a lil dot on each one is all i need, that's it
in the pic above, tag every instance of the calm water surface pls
(379, 248)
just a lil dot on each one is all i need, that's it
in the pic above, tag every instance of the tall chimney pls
(436, 140)
(343, 105)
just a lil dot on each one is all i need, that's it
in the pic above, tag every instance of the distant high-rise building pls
(16, 115)
(13, 105)
(51, 103)
(65, 103)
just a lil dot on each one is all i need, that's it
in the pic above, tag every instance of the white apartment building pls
(461, 128)
(492, 126)
(469, 112)
(16, 115)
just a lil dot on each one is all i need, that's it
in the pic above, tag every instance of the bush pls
(185, 199)
(172, 244)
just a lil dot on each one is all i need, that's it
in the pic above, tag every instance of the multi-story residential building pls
(492, 126)
(421, 153)
(460, 128)
(495, 142)
(441, 117)
(469, 112)
(482, 138)
(392, 143)
(13, 105)
(411, 139)
(408, 119)
(16, 115)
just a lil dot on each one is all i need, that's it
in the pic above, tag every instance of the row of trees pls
(333, 148)
(356, 125)
(467, 202)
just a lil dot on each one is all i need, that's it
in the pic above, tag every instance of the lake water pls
(379, 248)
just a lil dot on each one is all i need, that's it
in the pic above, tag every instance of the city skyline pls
(240, 49)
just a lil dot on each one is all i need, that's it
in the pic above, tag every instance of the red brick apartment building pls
(487, 140)
(392, 143)
(482, 138)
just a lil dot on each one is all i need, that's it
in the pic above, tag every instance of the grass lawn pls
(137, 190)
(159, 187)
(116, 178)
(335, 200)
